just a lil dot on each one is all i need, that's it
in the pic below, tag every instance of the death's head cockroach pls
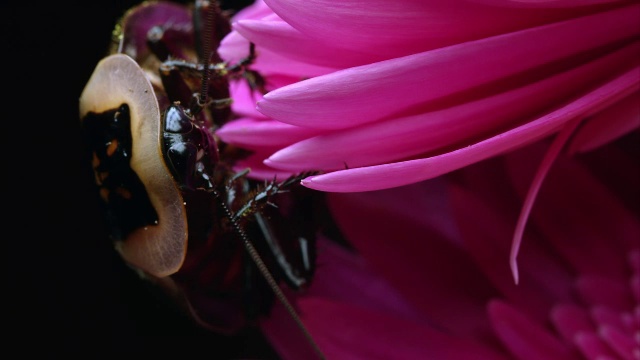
(174, 207)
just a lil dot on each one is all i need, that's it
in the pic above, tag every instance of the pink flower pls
(486, 107)
(407, 92)
(430, 279)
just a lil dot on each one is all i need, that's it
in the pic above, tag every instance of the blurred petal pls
(386, 337)
(409, 261)
(602, 291)
(523, 337)
(570, 320)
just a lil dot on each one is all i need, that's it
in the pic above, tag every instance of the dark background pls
(67, 290)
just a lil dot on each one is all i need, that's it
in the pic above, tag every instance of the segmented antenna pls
(265, 272)
(204, 90)
(251, 250)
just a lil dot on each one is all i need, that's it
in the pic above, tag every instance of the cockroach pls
(176, 210)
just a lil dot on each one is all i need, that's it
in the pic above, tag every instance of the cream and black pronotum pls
(174, 208)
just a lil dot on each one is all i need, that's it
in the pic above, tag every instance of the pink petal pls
(634, 284)
(251, 133)
(603, 291)
(618, 168)
(400, 138)
(258, 170)
(608, 125)
(486, 225)
(427, 270)
(402, 173)
(524, 338)
(619, 342)
(279, 37)
(386, 29)
(346, 331)
(257, 10)
(605, 316)
(570, 320)
(244, 100)
(345, 277)
(546, 3)
(543, 169)
(592, 347)
(363, 94)
(234, 47)
(574, 224)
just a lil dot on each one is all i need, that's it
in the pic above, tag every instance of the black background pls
(66, 289)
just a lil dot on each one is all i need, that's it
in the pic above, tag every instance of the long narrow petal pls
(522, 336)
(392, 29)
(574, 224)
(570, 320)
(549, 158)
(592, 346)
(487, 208)
(235, 47)
(357, 326)
(608, 125)
(401, 138)
(410, 261)
(398, 174)
(604, 291)
(251, 133)
(546, 3)
(362, 94)
(279, 37)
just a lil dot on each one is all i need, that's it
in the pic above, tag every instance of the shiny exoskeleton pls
(173, 205)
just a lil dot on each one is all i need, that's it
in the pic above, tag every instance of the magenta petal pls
(392, 29)
(570, 320)
(402, 173)
(257, 10)
(400, 138)
(344, 276)
(410, 263)
(546, 3)
(623, 344)
(524, 338)
(281, 38)
(362, 94)
(234, 47)
(251, 133)
(562, 210)
(592, 346)
(549, 158)
(605, 316)
(603, 291)
(609, 124)
(477, 198)
(244, 99)
(346, 331)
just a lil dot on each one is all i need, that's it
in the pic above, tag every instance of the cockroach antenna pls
(201, 99)
(196, 107)
(262, 267)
